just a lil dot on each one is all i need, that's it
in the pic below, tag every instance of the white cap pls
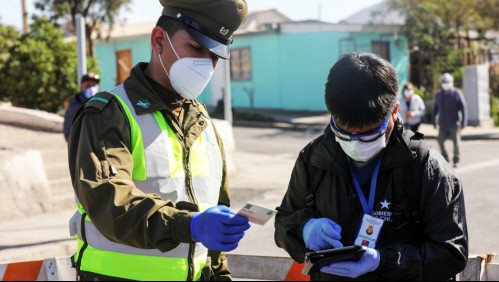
(446, 78)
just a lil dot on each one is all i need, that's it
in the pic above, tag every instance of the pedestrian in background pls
(412, 108)
(369, 181)
(147, 165)
(89, 86)
(451, 115)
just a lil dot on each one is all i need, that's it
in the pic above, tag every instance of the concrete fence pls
(32, 119)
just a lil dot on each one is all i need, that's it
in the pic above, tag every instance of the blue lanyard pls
(367, 208)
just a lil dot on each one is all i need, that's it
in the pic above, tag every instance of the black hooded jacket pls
(434, 247)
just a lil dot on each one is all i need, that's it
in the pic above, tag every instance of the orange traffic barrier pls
(295, 274)
(21, 271)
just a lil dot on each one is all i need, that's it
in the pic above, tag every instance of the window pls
(240, 64)
(347, 46)
(381, 48)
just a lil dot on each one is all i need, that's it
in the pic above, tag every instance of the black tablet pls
(315, 260)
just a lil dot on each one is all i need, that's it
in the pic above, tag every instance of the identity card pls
(257, 214)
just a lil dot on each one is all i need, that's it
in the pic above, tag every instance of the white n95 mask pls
(361, 147)
(408, 92)
(362, 151)
(189, 76)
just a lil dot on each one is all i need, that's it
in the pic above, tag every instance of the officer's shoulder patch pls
(99, 100)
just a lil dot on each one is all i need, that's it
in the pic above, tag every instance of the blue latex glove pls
(369, 262)
(321, 233)
(218, 228)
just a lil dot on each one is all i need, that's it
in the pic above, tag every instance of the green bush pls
(41, 69)
(494, 109)
(423, 94)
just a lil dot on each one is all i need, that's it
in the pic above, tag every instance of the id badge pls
(369, 231)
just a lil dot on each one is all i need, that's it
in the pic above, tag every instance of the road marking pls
(477, 166)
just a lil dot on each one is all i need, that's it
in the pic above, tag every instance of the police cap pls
(211, 23)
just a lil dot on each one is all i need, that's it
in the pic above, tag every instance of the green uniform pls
(101, 167)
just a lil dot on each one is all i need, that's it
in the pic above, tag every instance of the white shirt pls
(416, 106)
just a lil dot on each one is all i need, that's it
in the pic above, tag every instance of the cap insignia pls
(224, 31)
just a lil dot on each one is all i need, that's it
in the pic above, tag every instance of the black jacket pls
(74, 104)
(435, 249)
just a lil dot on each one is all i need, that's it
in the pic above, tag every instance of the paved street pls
(265, 157)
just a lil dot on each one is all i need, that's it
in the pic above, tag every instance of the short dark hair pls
(361, 90)
(169, 25)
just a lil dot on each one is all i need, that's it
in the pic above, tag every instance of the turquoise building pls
(275, 63)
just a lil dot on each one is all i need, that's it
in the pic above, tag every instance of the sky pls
(149, 10)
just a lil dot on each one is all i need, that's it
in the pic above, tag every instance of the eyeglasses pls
(366, 137)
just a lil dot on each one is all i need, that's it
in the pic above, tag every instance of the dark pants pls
(454, 134)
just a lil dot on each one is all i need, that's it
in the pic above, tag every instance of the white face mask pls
(189, 76)
(90, 91)
(446, 86)
(408, 93)
(362, 151)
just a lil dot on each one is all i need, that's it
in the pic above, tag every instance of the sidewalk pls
(319, 120)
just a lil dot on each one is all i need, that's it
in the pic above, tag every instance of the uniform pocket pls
(107, 169)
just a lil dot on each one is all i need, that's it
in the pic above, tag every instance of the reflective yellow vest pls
(160, 166)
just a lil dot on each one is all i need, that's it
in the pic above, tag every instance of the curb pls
(280, 125)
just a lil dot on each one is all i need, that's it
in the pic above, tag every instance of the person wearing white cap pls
(451, 113)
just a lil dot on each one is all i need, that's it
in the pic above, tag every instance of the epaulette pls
(99, 100)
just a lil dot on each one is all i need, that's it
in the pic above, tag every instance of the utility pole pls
(319, 10)
(25, 16)
(81, 46)
(227, 93)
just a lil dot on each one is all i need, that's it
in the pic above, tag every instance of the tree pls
(441, 31)
(98, 15)
(9, 41)
(40, 71)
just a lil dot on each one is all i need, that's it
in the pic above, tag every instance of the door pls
(124, 65)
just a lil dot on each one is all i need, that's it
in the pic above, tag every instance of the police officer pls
(147, 164)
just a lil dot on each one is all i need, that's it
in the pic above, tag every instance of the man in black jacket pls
(367, 181)
(89, 86)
